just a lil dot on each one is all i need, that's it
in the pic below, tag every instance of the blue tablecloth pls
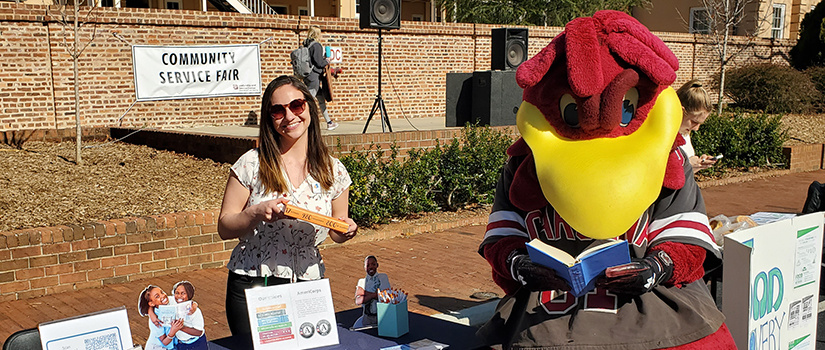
(455, 335)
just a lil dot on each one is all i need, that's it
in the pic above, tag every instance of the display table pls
(457, 336)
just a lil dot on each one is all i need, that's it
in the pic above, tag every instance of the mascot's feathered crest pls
(599, 124)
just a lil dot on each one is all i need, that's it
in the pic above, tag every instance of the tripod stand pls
(378, 105)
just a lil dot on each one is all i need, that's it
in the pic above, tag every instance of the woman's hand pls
(270, 210)
(175, 327)
(341, 237)
(702, 162)
(352, 230)
(193, 308)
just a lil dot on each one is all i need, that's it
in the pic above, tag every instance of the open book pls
(580, 271)
(168, 313)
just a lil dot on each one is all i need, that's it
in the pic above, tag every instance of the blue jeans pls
(199, 344)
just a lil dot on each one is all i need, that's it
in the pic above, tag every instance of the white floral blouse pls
(280, 247)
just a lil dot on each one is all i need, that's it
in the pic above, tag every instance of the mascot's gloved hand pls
(532, 276)
(638, 276)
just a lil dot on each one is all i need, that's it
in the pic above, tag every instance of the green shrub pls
(470, 167)
(817, 77)
(445, 177)
(771, 88)
(809, 50)
(745, 140)
(383, 187)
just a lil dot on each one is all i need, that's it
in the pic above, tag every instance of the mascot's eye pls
(569, 110)
(631, 100)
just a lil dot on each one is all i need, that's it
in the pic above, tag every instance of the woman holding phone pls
(696, 107)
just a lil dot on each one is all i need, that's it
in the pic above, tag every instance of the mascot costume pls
(598, 158)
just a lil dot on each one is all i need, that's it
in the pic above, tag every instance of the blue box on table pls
(393, 319)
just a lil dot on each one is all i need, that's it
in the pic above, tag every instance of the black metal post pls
(378, 105)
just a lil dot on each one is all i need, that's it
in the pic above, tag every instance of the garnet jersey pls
(665, 317)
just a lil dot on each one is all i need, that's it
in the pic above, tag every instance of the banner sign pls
(770, 285)
(181, 72)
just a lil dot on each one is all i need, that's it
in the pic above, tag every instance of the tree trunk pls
(74, 55)
(723, 64)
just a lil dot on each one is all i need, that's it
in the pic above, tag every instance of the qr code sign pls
(103, 342)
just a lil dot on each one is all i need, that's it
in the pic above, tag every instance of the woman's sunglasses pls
(297, 107)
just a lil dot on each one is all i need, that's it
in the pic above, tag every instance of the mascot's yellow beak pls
(602, 186)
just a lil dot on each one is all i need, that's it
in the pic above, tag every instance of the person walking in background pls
(291, 165)
(313, 81)
(696, 107)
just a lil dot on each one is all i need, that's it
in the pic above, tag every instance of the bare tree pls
(72, 24)
(724, 18)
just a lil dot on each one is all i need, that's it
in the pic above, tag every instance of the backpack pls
(301, 65)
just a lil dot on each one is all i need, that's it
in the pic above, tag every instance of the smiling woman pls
(292, 165)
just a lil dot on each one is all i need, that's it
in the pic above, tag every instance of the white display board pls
(770, 284)
(292, 316)
(108, 329)
(181, 72)
(334, 53)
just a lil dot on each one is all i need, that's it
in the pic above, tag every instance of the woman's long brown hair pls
(319, 163)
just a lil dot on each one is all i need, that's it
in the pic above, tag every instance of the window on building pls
(303, 11)
(172, 5)
(280, 9)
(778, 21)
(699, 20)
(357, 9)
(419, 18)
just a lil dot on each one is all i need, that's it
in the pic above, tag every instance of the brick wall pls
(804, 157)
(35, 262)
(37, 82)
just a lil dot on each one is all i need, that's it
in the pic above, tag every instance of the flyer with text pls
(106, 329)
(292, 316)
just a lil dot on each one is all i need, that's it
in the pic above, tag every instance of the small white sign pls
(292, 316)
(108, 329)
(335, 54)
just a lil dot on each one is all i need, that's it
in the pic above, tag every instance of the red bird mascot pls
(598, 158)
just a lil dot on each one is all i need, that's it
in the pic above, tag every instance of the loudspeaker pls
(496, 97)
(459, 98)
(379, 14)
(508, 48)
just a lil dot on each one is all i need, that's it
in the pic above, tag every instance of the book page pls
(166, 313)
(554, 252)
(596, 246)
(182, 309)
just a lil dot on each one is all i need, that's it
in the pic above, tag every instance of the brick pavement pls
(439, 270)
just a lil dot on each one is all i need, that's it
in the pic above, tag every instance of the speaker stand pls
(378, 105)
